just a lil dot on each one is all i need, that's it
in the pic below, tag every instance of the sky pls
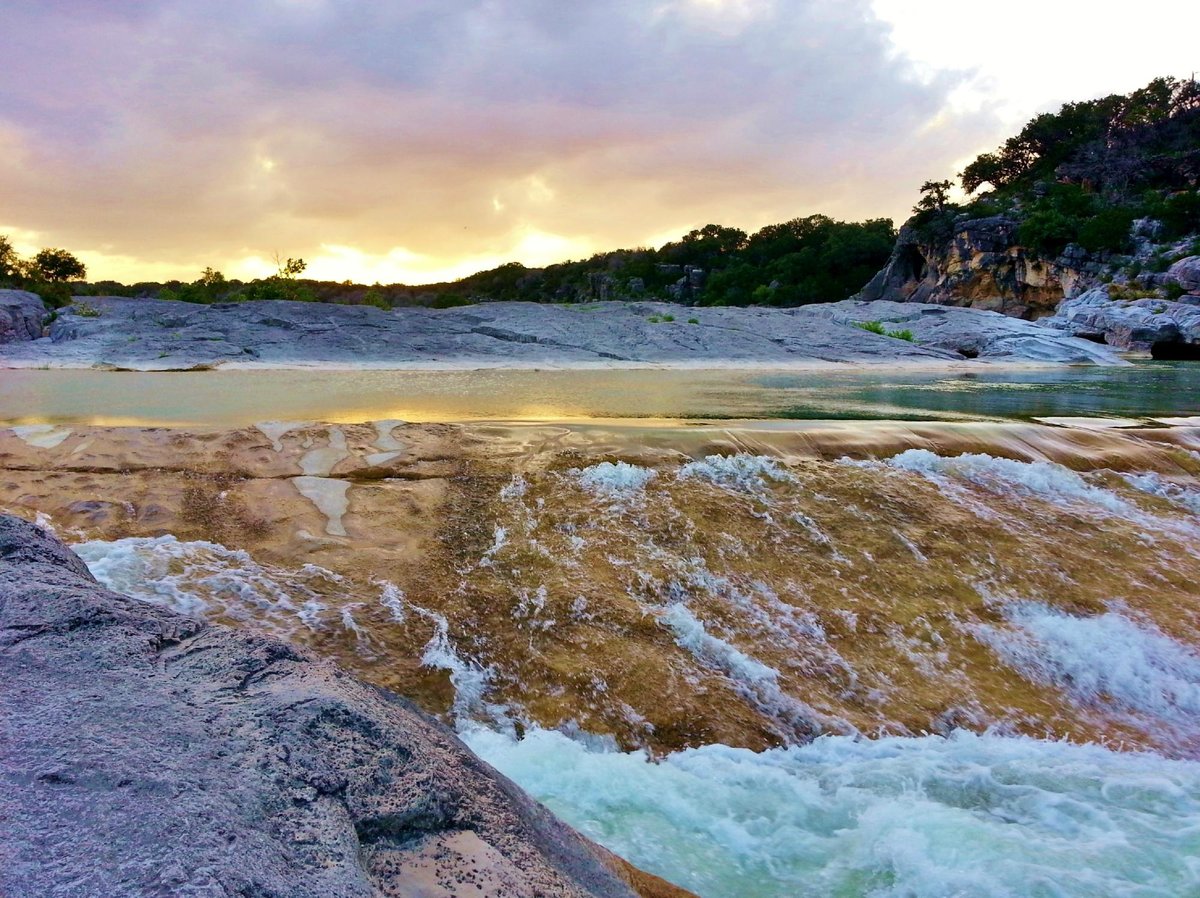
(424, 140)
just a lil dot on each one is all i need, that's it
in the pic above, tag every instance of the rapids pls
(919, 660)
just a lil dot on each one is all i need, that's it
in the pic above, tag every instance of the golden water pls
(672, 587)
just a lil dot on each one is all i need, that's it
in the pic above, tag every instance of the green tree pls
(58, 266)
(10, 262)
(934, 196)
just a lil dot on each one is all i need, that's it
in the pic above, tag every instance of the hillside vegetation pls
(1085, 174)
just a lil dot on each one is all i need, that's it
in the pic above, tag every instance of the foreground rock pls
(21, 316)
(153, 334)
(144, 753)
(1165, 329)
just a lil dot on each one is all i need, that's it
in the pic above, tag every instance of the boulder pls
(143, 753)
(1162, 327)
(1186, 273)
(21, 316)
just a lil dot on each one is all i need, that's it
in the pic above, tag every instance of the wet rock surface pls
(153, 334)
(146, 753)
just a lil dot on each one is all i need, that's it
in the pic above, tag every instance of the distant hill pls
(806, 260)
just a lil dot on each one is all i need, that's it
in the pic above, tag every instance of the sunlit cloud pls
(421, 141)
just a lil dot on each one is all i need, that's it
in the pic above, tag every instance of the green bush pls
(1048, 231)
(1107, 231)
(693, 321)
(876, 327)
(450, 301)
(1180, 215)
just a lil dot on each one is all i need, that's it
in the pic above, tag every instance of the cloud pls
(415, 137)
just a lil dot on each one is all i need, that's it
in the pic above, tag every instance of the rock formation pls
(21, 316)
(143, 753)
(1166, 329)
(1186, 273)
(979, 264)
(154, 334)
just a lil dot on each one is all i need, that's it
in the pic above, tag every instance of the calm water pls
(229, 398)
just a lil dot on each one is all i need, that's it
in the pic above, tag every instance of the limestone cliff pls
(977, 262)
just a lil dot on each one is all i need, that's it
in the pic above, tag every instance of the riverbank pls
(145, 334)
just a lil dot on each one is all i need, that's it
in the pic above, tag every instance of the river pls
(803, 654)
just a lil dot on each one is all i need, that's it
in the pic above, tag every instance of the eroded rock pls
(1162, 327)
(145, 753)
(21, 316)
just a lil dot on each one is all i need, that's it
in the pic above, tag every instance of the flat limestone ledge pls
(143, 753)
(146, 334)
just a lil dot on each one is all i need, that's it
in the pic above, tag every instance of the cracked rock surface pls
(150, 334)
(143, 753)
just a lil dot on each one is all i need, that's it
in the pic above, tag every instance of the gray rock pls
(1158, 326)
(967, 333)
(21, 316)
(978, 262)
(1186, 273)
(152, 334)
(143, 753)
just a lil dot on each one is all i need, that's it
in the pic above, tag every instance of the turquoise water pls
(238, 398)
(980, 816)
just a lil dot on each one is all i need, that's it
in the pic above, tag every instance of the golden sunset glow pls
(413, 144)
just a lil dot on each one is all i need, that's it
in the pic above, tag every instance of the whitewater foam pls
(1043, 479)
(619, 480)
(204, 579)
(930, 817)
(1107, 659)
(1154, 485)
(741, 472)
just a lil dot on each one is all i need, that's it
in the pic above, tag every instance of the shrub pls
(1047, 231)
(668, 317)
(1107, 230)
(693, 321)
(876, 327)
(83, 310)
(450, 301)
(374, 297)
(1181, 215)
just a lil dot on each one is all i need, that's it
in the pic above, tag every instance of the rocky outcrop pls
(978, 263)
(1186, 273)
(21, 316)
(972, 334)
(143, 753)
(154, 334)
(1165, 329)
